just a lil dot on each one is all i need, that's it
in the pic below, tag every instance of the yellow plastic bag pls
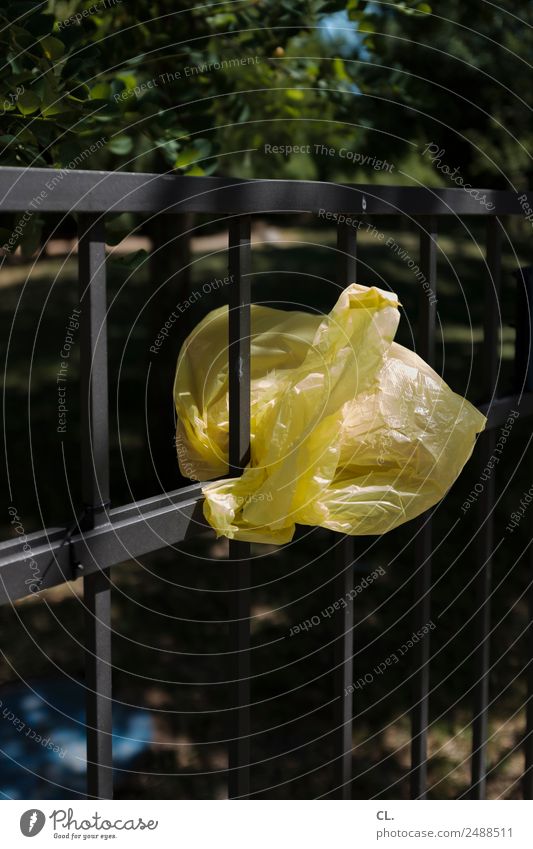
(350, 431)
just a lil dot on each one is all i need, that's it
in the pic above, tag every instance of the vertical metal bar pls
(170, 267)
(343, 584)
(427, 298)
(95, 494)
(491, 311)
(421, 659)
(97, 598)
(239, 455)
(527, 780)
(346, 254)
(424, 536)
(524, 323)
(93, 368)
(485, 538)
(343, 704)
(524, 379)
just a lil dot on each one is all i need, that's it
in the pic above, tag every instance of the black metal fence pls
(106, 536)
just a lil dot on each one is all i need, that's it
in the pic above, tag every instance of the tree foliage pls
(160, 85)
(153, 80)
(460, 79)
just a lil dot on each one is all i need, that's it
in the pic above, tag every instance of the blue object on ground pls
(42, 739)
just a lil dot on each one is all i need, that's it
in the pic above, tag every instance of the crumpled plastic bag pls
(349, 430)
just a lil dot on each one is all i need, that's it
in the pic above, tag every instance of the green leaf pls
(100, 91)
(295, 94)
(186, 157)
(28, 103)
(169, 149)
(223, 19)
(128, 80)
(15, 63)
(53, 101)
(82, 92)
(26, 136)
(103, 110)
(195, 171)
(52, 47)
(340, 70)
(120, 145)
(209, 167)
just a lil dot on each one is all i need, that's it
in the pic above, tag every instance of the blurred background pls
(395, 93)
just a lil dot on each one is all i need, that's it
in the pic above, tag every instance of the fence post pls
(343, 584)
(485, 538)
(427, 300)
(524, 380)
(170, 271)
(95, 493)
(239, 330)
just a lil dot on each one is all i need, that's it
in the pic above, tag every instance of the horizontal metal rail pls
(133, 530)
(45, 190)
(136, 529)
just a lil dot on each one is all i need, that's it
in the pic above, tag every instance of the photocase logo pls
(32, 822)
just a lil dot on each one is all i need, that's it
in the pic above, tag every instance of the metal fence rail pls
(106, 536)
